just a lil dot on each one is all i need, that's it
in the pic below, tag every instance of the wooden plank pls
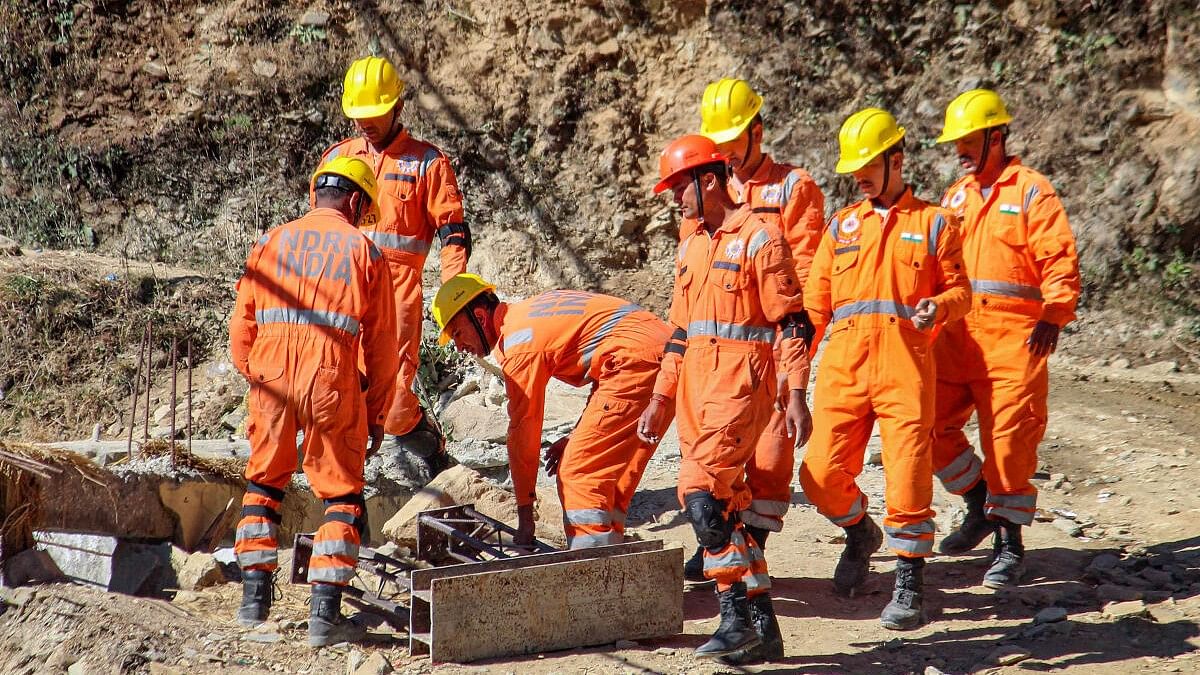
(562, 605)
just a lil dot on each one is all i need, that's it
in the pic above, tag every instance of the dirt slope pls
(176, 133)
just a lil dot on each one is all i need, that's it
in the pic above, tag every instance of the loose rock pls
(1050, 615)
(376, 664)
(1008, 655)
(1120, 610)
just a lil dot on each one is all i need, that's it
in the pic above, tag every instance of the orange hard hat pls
(685, 153)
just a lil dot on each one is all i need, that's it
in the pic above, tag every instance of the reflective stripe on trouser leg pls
(765, 513)
(1016, 509)
(914, 539)
(740, 560)
(335, 547)
(961, 474)
(256, 544)
(586, 528)
(855, 514)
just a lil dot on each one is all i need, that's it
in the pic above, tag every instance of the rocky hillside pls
(175, 132)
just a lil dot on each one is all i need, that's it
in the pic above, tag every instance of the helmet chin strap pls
(478, 329)
(983, 154)
(887, 171)
(699, 197)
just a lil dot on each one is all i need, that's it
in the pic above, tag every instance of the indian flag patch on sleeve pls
(1010, 209)
(914, 237)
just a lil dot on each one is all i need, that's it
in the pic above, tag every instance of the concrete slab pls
(109, 563)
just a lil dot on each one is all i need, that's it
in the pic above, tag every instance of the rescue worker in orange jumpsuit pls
(314, 300)
(735, 286)
(1020, 256)
(418, 200)
(888, 271)
(730, 116)
(577, 338)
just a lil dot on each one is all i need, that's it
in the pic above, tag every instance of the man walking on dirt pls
(314, 299)
(578, 338)
(1020, 256)
(789, 197)
(735, 286)
(418, 199)
(887, 271)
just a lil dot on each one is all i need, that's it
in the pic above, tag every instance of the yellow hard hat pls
(971, 111)
(455, 294)
(352, 169)
(372, 88)
(864, 136)
(728, 107)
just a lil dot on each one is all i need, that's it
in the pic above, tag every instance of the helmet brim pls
(363, 112)
(727, 135)
(845, 166)
(949, 135)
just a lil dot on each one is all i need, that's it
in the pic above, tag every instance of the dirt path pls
(1125, 528)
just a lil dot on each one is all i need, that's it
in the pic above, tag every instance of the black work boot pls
(906, 611)
(1008, 558)
(862, 539)
(736, 630)
(693, 569)
(975, 527)
(760, 535)
(256, 597)
(762, 613)
(326, 625)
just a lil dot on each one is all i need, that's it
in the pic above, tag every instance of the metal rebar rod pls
(174, 393)
(137, 382)
(189, 393)
(149, 381)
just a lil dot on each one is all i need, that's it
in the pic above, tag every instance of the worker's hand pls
(926, 313)
(524, 535)
(654, 420)
(799, 420)
(1044, 339)
(781, 391)
(554, 454)
(376, 431)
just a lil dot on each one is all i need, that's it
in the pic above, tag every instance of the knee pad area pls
(707, 515)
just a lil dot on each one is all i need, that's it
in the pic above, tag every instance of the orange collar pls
(763, 173)
(1007, 175)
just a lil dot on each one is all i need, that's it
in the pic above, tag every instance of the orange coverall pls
(578, 338)
(315, 297)
(732, 289)
(790, 197)
(418, 198)
(1020, 256)
(868, 275)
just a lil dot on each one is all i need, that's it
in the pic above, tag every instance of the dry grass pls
(70, 339)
